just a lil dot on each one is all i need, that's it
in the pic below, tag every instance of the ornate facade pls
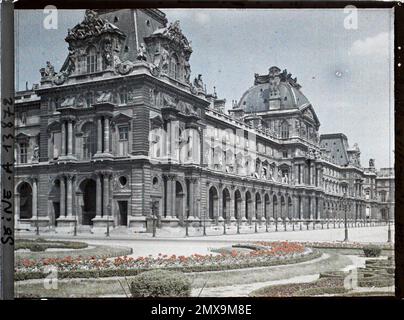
(121, 132)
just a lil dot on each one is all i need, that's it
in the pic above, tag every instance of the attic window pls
(244, 103)
(126, 49)
(148, 23)
(286, 98)
(116, 19)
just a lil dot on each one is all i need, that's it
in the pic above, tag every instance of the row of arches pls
(248, 205)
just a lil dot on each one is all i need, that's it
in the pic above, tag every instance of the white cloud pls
(202, 17)
(377, 45)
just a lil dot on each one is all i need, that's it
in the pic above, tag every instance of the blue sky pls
(346, 74)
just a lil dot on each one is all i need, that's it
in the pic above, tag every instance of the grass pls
(328, 285)
(42, 244)
(98, 251)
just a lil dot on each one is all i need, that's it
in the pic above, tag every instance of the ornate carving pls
(104, 97)
(91, 26)
(107, 54)
(141, 52)
(125, 67)
(168, 101)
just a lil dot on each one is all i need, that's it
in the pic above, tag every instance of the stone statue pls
(141, 53)
(49, 69)
(107, 53)
(187, 71)
(279, 176)
(164, 61)
(198, 83)
(35, 155)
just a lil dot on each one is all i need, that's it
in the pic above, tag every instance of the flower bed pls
(68, 267)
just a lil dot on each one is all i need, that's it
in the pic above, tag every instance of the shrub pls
(37, 247)
(160, 283)
(372, 251)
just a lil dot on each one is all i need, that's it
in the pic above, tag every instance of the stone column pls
(70, 137)
(98, 206)
(320, 208)
(168, 197)
(105, 195)
(169, 139)
(301, 207)
(312, 174)
(34, 198)
(242, 209)
(69, 196)
(231, 206)
(99, 135)
(173, 197)
(106, 134)
(17, 206)
(191, 198)
(295, 207)
(63, 139)
(62, 197)
(220, 203)
(312, 207)
(302, 177)
(263, 217)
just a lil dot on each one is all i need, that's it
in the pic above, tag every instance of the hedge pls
(372, 251)
(40, 244)
(160, 283)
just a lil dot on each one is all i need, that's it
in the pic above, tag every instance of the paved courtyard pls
(144, 244)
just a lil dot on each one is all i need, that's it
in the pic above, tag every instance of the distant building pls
(122, 131)
(385, 187)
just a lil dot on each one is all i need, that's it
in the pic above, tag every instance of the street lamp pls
(389, 227)
(109, 213)
(37, 225)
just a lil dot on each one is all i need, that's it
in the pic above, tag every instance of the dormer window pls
(174, 67)
(285, 130)
(92, 60)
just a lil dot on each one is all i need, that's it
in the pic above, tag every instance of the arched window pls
(92, 60)
(89, 140)
(285, 130)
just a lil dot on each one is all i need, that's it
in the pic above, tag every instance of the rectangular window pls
(92, 63)
(123, 141)
(23, 152)
(81, 65)
(123, 97)
(123, 133)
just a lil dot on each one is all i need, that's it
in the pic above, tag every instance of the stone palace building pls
(121, 132)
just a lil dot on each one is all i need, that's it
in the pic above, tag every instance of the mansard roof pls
(276, 85)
